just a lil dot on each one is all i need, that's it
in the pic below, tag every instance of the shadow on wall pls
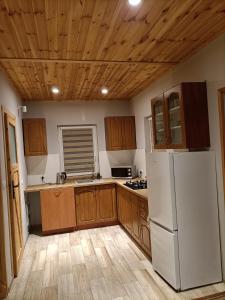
(36, 165)
(120, 158)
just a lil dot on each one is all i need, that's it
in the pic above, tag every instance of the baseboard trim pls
(97, 225)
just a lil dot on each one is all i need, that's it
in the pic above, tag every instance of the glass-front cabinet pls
(159, 122)
(180, 118)
(175, 118)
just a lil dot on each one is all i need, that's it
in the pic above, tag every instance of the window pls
(78, 150)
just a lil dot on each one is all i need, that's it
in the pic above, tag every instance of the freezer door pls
(165, 254)
(161, 190)
(197, 216)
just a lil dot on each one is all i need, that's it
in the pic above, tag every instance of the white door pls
(161, 190)
(165, 254)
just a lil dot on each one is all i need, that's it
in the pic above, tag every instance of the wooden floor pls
(100, 263)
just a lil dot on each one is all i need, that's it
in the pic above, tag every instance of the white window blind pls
(78, 149)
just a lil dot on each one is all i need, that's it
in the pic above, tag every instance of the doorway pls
(13, 179)
(3, 275)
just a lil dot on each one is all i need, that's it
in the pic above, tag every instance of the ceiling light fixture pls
(55, 90)
(134, 2)
(104, 90)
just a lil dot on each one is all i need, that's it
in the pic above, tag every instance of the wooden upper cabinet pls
(184, 120)
(58, 209)
(113, 133)
(175, 117)
(129, 133)
(120, 133)
(159, 122)
(35, 141)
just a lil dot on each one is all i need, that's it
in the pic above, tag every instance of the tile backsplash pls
(49, 165)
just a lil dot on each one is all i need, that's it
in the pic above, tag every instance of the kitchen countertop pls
(40, 187)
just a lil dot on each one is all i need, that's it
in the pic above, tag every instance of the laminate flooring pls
(102, 263)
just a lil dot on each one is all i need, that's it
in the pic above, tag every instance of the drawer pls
(105, 186)
(83, 189)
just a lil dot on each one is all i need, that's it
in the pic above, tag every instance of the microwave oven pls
(127, 172)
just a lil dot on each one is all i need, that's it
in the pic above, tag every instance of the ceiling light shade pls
(104, 90)
(55, 90)
(23, 108)
(134, 2)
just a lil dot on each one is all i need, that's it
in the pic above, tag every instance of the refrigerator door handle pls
(163, 227)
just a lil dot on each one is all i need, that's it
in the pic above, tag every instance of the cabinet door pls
(35, 141)
(129, 133)
(86, 205)
(121, 201)
(106, 203)
(128, 212)
(50, 210)
(135, 202)
(159, 123)
(113, 133)
(144, 209)
(145, 236)
(175, 117)
(124, 208)
(67, 208)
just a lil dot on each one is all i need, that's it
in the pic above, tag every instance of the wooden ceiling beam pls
(75, 61)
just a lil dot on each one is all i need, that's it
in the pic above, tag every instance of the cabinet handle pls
(57, 194)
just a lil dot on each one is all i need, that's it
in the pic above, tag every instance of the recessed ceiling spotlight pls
(134, 2)
(104, 90)
(55, 90)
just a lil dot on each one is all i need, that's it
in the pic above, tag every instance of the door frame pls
(14, 267)
(3, 271)
(221, 108)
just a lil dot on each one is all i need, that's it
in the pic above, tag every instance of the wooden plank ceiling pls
(82, 45)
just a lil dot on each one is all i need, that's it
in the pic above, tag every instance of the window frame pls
(95, 148)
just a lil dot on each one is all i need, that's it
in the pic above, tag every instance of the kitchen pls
(128, 103)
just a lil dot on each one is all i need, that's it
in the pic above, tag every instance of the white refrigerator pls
(184, 218)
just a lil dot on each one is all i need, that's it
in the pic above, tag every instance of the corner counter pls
(120, 182)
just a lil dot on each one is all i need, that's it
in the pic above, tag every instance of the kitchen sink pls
(86, 180)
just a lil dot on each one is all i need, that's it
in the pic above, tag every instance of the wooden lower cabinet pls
(86, 205)
(145, 236)
(58, 209)
(96, 205)
(133, 214)
(121, 205)
(106, 203)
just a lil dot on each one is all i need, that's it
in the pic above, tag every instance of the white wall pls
(10, 101)
(208, 64)
(71, 113)
(74, 113)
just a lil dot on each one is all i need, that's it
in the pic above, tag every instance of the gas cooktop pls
(136, 185)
